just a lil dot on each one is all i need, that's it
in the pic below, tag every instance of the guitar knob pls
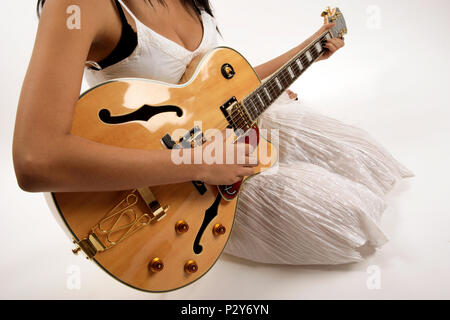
(156, 265)
(219, 229)
(191, 266)
(228, 71)
(181, 227)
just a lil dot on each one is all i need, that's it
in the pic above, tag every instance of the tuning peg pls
(326, 12)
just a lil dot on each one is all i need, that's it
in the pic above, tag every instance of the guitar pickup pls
(191, 139)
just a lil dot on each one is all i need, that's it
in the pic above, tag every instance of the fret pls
(299, 64)
(268, 94)
(260, 108)
(291, 72)
(279, 86)
(288, 80)
(263, 95)
(296, 69)
(308, 56)
(254, 112)
(318, 47)
(314, 53)
(251, 106)
(260, 99)
(283, 79)
(273, 88)
(305, 61)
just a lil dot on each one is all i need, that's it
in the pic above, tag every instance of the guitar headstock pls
(335, 16)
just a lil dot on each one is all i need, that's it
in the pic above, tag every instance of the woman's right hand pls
(227, 167)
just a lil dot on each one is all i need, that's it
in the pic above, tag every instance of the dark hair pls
(197, 5)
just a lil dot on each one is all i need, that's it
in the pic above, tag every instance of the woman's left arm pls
(266, 69)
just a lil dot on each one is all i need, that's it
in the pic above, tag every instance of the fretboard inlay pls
(318, 47)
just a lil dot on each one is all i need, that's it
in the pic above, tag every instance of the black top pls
(127, 43)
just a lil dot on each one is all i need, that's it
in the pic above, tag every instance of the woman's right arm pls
(46, 156)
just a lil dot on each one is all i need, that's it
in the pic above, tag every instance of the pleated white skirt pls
(325, 198)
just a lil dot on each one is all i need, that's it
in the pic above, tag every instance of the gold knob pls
(219, 229)
(181, 227)
(156, 265)
(191, 266)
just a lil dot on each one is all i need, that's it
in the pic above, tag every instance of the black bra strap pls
(121, 13)
(127, 44)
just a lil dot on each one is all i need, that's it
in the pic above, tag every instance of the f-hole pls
(144, 113)
(210, 214)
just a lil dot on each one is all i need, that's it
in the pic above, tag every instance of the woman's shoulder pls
(86, 18)
(87, 12)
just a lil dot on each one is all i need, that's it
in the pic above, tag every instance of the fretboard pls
(266, 94)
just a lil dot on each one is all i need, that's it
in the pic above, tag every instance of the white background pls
(391, 79)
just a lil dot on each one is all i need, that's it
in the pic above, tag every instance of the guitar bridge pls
(121, 222)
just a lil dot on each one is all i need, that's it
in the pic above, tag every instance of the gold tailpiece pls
(121, 223)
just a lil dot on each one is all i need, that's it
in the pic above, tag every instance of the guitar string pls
(340, 25)
(257, 103)
(240, 122)
(273, 88)
(270, 86)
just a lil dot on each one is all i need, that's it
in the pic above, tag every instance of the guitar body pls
(158, 255)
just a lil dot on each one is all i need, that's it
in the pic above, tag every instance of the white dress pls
(326, 198)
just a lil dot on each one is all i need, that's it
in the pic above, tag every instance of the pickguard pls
(144, 113)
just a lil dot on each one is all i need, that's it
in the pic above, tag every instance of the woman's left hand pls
(332, 45)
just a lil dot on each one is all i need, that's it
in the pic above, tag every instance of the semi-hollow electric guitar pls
(165, 237)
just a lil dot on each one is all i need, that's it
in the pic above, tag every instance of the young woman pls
(324, 202)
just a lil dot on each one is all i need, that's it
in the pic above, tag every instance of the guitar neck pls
(266, 94)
